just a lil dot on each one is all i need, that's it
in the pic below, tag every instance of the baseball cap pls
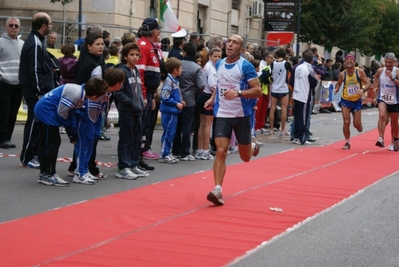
(150, 24)
(117, 40)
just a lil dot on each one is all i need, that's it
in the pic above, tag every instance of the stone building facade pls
(216, 17)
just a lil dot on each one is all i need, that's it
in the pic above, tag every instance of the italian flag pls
(168, 19)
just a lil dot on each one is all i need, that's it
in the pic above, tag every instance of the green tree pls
(387, 38)
(347, 24)
(63, 2)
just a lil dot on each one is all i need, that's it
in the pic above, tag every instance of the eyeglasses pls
(16, 26)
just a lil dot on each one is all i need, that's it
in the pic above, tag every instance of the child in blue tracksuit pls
(88, 122)
(170, 107)
(57, 108)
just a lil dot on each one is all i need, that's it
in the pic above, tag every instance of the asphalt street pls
(360, 231)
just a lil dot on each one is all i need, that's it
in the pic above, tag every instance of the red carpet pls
(172, 224)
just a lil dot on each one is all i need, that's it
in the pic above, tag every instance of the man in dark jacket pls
(36, 78)
(191, 83)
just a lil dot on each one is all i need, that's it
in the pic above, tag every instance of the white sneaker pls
(296, 141)
(206, 156)
(168, 159)
(70, 173)
(198, 154)
(380, 142)
(232, 150)
(138, 172)
(84, 179)
(256, 146)
(126, 173)
(189, 157)
(390, 148)
(60, 180)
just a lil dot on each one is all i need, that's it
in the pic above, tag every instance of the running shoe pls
(54, 180)
(206, 156)
(347, 146)
(198, 154)
(168, 159)
(297, 141)
(391, 147)
(189, 157)
(33, 163)
(101, 176)
(138, 172)
(150, 155)
(126, 173)
(380, 142)
(84, 179)
(396, 145)
(216, 197)
(256, 146)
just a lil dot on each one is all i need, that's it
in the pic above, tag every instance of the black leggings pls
(49, 144)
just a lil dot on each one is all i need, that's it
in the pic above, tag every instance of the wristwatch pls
(239, 93)
(393, 79)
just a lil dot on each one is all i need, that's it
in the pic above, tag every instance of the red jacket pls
(148, 66)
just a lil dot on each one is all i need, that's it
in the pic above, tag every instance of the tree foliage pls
(350, 24)
(63, 2)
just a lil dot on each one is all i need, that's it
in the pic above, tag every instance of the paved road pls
(361, 231)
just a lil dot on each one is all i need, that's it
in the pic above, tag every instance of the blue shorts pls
(354, 106)
(279, 95)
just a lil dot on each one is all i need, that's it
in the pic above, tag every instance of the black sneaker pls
(144, 165)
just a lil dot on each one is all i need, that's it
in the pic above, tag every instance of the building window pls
(234, 30)
(235, 4)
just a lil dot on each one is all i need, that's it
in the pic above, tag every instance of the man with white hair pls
(10, 89)
(387, 99)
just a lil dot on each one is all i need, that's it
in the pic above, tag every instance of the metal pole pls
(298, 30)
(80, 20)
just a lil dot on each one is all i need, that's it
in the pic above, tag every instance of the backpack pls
(266, 78)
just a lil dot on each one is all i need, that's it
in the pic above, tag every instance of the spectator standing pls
(83, 166)
(107, 39)
(51, 40)
(113, 60)
(10, 89)
(194, 38)
(328, 76)
(68, 64)
(36, 79)
(171, 106)
(263, 101)
(149, 67)
(304, 83)
(336, 70)
(206, 116)
(236, 82)
(279, 89)
(192, 82)
(250, 49)
(130, 103)
(179, 39)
